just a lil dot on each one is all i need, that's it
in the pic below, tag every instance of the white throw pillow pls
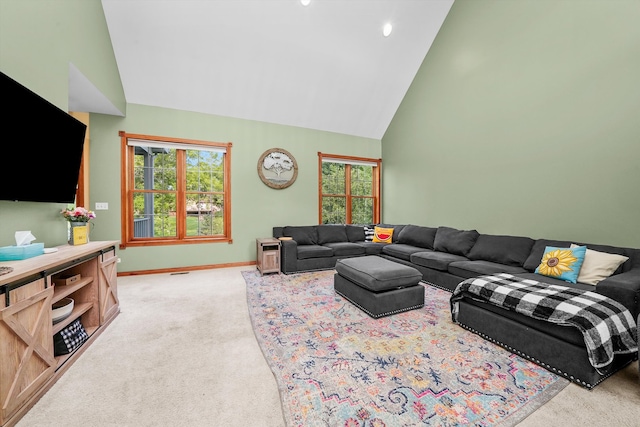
(597, 266)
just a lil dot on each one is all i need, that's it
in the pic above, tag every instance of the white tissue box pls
(15, 253)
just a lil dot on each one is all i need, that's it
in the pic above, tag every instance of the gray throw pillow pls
(455, 241)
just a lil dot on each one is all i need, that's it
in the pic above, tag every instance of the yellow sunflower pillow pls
(562, 263)
(382, 235)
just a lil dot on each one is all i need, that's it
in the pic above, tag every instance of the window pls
(349, 189)
(175, 191)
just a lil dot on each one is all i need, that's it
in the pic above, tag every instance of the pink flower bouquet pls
(78, 214)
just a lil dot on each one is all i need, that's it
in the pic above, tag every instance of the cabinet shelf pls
(61, 359)
(61, 291)
(78, 310)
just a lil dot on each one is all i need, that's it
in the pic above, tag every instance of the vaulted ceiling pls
(324, 66)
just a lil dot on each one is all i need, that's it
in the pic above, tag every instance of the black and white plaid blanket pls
(607, 326)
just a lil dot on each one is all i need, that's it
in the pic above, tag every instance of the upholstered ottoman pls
(377, 286)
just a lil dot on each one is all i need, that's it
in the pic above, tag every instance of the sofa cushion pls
(371, 248)
(454, 241)
(314, 251)
(562, 263)
(355, 233)
(345, 248)
(331, 233)
(509, 250)
(382, 235)
(303, 234)
(597, 266)
(435, 260)
(399, 250)
(419, 236)
(469, 269)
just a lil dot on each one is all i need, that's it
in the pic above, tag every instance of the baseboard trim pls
(185, 269)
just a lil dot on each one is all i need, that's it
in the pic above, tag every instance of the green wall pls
(523, 119)
(255, 207)
(38, 40)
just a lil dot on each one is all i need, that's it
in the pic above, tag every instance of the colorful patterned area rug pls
(336, 366)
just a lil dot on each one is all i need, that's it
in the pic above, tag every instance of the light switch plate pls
(102, 206)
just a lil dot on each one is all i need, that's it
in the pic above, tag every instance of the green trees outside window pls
(349, 190)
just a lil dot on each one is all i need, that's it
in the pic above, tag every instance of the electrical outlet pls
(102, 206)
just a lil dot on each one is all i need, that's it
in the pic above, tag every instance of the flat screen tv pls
(42, 147)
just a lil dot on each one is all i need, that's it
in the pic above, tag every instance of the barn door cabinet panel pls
(28, 366)
(108, 273)
(27, 349)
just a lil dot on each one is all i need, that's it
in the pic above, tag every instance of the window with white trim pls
(174, 191)
(349, 189)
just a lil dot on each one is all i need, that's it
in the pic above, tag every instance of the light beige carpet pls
(182, 353)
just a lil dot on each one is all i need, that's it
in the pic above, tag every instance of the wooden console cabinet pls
(28, 366)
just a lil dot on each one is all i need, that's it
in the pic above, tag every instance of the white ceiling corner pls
(85, 97)
(325, 66)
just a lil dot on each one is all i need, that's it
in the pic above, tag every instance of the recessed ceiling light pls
(386, 30)
(305, 2)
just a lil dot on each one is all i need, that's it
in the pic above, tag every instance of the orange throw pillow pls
(382, 235)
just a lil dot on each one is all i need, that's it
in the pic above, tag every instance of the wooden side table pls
(268, 255)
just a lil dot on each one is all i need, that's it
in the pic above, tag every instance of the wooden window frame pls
(127, 190)
(82, 190)
(348, 161)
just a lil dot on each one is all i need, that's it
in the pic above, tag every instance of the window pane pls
(333, 178)
(334, 210)
(205, 214)
(164, 170)
(139, 171)
(205, 171)
(361, 180)
(361, 210)
(154, 215)
(154, 169)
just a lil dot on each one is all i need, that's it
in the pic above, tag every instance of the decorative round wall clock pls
(277, 168)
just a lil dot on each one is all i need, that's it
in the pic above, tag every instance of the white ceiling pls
(325, 66)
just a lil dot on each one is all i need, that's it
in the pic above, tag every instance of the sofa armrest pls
(289, 256)
(623, 287)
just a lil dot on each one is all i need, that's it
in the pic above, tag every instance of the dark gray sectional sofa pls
(446, 256)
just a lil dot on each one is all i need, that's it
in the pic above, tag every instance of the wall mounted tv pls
(46, 143)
